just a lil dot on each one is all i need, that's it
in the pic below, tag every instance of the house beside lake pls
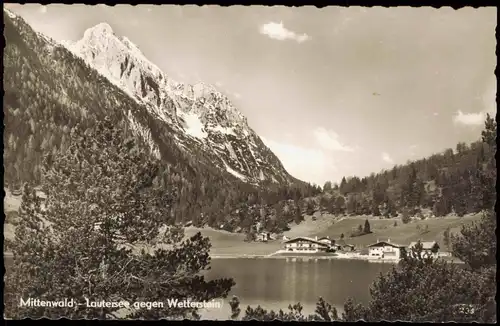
(263, 237)
(341, 245)
(385, 249)
(326, 240)
(429, 248)
(306, 245)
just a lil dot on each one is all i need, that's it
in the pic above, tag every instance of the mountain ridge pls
(50, 93)
(199, 114)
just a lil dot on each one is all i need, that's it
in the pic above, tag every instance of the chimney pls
(389, 240)
(316, 238)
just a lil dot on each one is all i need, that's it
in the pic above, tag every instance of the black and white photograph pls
(173, 162)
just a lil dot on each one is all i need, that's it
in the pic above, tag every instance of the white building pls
(306, 245)
(385, 249)
(326, 240)
(263, 236)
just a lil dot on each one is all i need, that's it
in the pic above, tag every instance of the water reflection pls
(276, 283)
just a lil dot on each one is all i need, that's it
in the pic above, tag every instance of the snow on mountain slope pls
(10, 13)
(202, 118)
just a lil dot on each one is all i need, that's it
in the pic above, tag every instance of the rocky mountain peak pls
(202, 116)
(99, 30)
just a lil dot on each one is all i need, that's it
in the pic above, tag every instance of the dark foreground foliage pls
(101, 234)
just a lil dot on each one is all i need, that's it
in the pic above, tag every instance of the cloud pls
(43, 9)
(435, 114)
(237, 95)
(489, 106)
(469, 119)
(329, 140)
(218, 84)
(310, 165)
(278, 32)
(387, 158)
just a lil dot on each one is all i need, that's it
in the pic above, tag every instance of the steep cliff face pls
(201, 118)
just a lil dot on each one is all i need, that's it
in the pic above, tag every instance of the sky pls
(332, 92)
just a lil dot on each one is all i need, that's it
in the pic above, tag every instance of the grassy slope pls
(225, 243)
(383, 229)
(401, 234)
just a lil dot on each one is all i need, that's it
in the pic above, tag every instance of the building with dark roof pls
(306, 245)
(385, 249)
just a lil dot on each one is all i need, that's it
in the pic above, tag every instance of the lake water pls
(276, 283)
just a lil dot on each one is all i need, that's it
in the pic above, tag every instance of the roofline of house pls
(395, 245)
(422, 242)
(431, 244)
(307, 239)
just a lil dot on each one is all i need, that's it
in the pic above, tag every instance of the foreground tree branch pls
(105, 198)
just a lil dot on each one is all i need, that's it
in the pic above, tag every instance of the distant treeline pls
(456, 181)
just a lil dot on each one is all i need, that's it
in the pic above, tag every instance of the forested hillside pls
(454, 181)
(49, 92)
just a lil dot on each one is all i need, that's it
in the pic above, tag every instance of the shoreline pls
(281, 255)
(335, 256)
(277, 255)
